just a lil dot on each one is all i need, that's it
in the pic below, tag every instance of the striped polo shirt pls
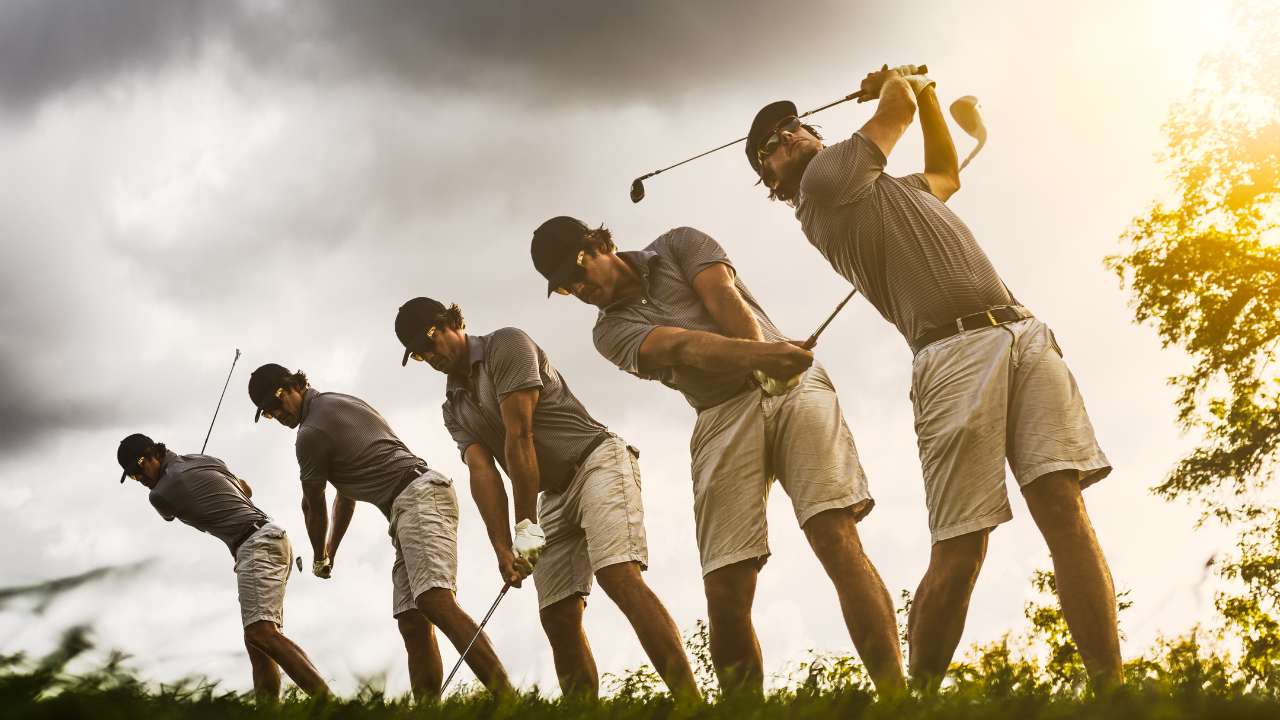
(200, 491)
(504, 362)
(666, 269)
(344, 441)
(901, 246)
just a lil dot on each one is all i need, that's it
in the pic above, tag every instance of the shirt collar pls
(642, 262)
(306, 404)
(475, 351)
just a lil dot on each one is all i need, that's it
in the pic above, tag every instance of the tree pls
(1204, 268)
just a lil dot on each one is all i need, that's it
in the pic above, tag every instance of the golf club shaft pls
(813, 339)
(220, 397)
(859, 95)
(479, 631)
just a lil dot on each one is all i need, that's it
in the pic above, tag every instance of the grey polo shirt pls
(344, 441)
(666, 269)
(901, 246)
(200, 491)
(501, 363)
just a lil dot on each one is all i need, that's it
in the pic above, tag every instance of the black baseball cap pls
(263, 384)
(412, 322)
(555, 248)
(130, 449)
(763, 124)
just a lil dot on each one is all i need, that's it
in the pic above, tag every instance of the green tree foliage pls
(1204, 268)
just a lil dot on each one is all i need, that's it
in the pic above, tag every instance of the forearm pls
(313, 514)
(939, 149)
(522, 466)
(709, 351)
(343, 509)
(733, 315)
(491, 500)
(897, 101)
(244, 488)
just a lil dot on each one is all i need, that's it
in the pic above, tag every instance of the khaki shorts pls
(263, 562)
(597, 521)
(424, 531)
(741, 445)
(987, 395)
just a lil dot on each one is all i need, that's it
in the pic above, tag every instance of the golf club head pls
(966, 114)
(637, 190)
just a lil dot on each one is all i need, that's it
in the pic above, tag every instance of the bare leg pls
(657, 632)
(864, 601)
(278, 650)
(441, 608)
(575, 666)
(941, 604)
(1085, 587)
(735, 650)
(425, 670)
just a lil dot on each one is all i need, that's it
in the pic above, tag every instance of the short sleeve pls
(460, 435)
(917, 181)
(842, 173)
(312, 448)
(513, 361)
(619, 340)
(693, 251)
(162, 506)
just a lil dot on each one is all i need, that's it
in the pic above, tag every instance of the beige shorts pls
(597, 521)
(424, 531)
(741, 445)
(263, 562)
(987, 395)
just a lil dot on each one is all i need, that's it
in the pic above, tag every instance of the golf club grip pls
(863, 97)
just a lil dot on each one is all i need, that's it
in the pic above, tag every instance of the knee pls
(620, 581)
(730, 591)
(436, 604)
(957, 561)
(261, 634)
(563, 618)
(1055, 501)
(833, 531)
(412, 625)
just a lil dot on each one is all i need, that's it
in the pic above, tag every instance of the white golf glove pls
(529, 541)
(322, 568)
(772, 386)
(908, 70)
(918, 83)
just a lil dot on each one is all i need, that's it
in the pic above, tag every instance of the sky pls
(186, 179)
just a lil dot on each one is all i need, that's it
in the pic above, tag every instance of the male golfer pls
(505, 401)
(677, 312)
(200, 491)
(343, 441)
(988, 380)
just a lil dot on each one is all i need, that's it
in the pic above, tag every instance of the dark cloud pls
(562, 50)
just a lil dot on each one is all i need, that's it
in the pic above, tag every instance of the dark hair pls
(296, 381)
(781, 193)
(452, 316)
(599, 240)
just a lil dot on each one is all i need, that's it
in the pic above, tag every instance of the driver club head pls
(966, 114)
(637, 190)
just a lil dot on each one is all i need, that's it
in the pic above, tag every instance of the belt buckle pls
(991, 318)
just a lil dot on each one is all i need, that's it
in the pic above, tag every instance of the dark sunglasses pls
(577, 276)
(427, 346)
(771, 143)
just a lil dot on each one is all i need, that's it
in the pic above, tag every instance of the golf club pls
(219, 406)
(637, 185)
(813, 339)
(485, 621)
(966, 114)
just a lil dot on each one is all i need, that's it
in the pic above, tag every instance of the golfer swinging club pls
(343, 441)
(200, 491)
(505, 401)
(988, 380)
(677, 312)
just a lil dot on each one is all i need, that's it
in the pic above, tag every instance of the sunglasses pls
(578, 274)
(137, 468)
(771, 143)
(276, 406)
(431, 343)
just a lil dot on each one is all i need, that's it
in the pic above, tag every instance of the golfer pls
(677, 312)
(343, 441)
(200, 491)
(988, 380)
(576, 487)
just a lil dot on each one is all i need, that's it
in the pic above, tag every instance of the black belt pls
(991, 317)
(257, 525)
